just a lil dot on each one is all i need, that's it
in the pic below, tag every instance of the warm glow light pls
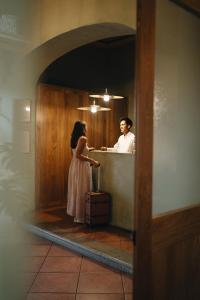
(27, 108)
(93, 108)
(106, 98)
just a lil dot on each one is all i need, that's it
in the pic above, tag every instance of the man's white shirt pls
(125, 143)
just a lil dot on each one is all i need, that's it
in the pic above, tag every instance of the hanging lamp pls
(106, 96)
(93, 108)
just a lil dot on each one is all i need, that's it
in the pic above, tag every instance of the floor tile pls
(115, 244)
(61, 264)
(55, 283)
(79, 236)
(36, 240)
(33, 264)
(127, 245)
(48, 217)
(91, 266)
(106, 236)
(50, 296)
(61, 251)
(127, 283)
(37, 250)
(106, 239)
(100, 283)
(28, 279)
(99, 297)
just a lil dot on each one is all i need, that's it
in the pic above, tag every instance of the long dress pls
(79, 183)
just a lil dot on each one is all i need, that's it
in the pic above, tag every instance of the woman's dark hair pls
(79, 130)
(127, 120)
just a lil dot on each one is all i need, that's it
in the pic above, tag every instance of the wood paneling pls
(177, 225)
(176, 255)
(55, 116)
(50, 147)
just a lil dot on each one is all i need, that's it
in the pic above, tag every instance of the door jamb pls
(144, 83)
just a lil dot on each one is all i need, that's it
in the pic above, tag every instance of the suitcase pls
(98, 206)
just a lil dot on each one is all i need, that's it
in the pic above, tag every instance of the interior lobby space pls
(63, 87)
(109, 241)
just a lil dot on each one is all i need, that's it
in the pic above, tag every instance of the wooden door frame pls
(144, 86)
(144, 83)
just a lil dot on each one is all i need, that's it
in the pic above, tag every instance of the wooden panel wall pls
(176, 255)
(55, 116)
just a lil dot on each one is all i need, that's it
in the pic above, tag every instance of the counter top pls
(112, 152)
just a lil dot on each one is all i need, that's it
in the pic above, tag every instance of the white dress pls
(79, 183)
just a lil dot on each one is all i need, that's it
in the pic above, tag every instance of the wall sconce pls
(23, 108)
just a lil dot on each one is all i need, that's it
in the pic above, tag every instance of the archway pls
(47, 53)
(40, 57)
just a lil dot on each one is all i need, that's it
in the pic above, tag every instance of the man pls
(126, 141)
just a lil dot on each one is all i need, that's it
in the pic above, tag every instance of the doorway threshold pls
(94, 254)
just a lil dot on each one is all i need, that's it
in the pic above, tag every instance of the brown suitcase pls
(98, 206)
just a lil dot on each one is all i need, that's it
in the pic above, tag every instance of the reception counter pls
(117, 178)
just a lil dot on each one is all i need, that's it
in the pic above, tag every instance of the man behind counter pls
(126, 141)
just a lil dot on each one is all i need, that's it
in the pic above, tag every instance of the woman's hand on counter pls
(91, 148)
(103, 148)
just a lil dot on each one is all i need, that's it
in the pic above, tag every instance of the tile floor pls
(55, 273)
(106, 239)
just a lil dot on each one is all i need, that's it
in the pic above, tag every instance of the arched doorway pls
(114, 30)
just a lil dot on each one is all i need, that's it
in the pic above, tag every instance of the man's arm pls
(111, 149)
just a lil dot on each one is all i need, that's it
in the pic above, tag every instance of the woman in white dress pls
(80, 174)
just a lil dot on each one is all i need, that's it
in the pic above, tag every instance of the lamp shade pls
(93, 108)
(106, 96)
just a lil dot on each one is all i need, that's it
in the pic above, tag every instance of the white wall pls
(60, 16)
(25, 26)
(15, 179)
(176, 171)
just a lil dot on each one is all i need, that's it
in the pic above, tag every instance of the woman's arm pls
(79, 152)
(91, 148)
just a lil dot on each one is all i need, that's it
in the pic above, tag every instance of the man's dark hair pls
(127, 120)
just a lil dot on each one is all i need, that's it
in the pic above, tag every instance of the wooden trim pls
(37, 159)
(177, 226)
(145, 48)
(192, 6)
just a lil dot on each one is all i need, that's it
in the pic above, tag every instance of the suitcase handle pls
(98, 178)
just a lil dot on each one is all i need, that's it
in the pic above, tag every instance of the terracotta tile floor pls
(106, 239)
(56, 273)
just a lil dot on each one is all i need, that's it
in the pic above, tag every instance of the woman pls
(80, 176)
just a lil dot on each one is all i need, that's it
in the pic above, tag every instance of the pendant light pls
(106, 96)
(93, 108)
